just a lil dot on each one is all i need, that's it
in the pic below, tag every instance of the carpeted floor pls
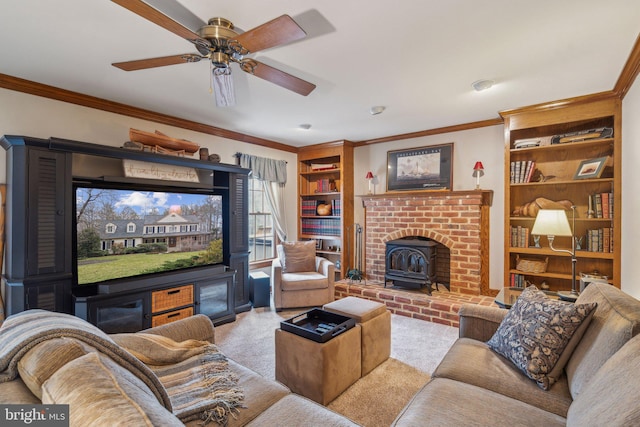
(416, 349)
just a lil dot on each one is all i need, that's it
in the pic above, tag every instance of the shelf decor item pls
(478, 171)
(424, 168)
(591, 168)
(554, 222)
(369, 178)
(535, 266)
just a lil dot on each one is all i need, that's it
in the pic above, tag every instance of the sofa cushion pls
(611, 397)
(303, 281)
(40, 362)
(445, 402)
(538, 334)
(473, 362)
(259, 394)
(297, 257)
(615, 321)
(100, 392)
(294, 410)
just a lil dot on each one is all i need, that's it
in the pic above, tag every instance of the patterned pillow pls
(539, 334)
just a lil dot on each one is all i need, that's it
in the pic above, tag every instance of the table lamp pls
(369, 177)
(554, 222)
(478, 171)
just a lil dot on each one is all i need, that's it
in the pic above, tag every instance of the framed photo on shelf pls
(591, 168)
(318, 244)
(424, 168)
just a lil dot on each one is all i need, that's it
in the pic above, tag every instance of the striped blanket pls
(195, 374)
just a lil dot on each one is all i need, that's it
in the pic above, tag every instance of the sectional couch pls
(472, 386)
(475, 386)
(96, 402)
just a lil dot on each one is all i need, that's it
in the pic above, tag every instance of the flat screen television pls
(125, 233)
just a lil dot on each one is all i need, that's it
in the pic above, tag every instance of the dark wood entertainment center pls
(39, 252)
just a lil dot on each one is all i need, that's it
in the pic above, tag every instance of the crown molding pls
(52, 92)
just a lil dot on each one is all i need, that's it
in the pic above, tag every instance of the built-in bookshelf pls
(556, 156)
(325, 200)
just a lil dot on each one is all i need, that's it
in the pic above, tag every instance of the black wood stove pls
(410, 262)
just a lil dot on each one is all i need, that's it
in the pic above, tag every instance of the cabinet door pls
(214, 298)
(48, 213)
(240, 264)
(125, 313)
(239, 213)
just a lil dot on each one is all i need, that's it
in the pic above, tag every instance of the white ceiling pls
(416, 57)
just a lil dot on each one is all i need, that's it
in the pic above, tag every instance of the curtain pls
(273, 176)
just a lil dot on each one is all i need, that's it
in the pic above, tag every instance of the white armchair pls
(300, 278)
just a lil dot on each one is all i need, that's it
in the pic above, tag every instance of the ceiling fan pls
(222, 44)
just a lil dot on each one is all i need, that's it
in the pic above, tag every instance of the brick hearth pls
(441, 307)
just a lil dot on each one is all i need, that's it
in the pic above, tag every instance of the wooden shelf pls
(549, 252)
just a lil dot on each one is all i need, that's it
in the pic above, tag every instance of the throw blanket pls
(23, 331)
(196, 375)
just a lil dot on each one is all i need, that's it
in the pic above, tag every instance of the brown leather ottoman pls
(375, 320)
(319, 371)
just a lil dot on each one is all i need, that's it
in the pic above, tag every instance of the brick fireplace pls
(459, 220)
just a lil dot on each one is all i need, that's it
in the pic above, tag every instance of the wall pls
(484, 144)
(630, 198)
(23, 114)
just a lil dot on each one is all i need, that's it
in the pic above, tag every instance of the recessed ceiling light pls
(377, 109)
(480, 85)
(305, 126)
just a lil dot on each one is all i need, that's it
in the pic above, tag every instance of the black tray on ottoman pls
(318, 325)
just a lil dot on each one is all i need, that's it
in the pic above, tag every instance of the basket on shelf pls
(531, 265)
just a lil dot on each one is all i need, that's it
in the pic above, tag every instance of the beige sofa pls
(266, 402)
(475, 386)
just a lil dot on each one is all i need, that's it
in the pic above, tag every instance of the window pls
(131, 228)
(111, 228)
(261, 231)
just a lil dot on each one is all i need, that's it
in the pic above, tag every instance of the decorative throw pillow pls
(539, 334)
(297, 257)
(43, 360)
(100, 392)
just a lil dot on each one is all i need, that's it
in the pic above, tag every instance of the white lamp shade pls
(551, 222)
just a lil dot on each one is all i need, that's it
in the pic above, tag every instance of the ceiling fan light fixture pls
(480, 85)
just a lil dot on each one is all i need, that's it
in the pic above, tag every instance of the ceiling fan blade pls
(282, 79)
(142, 64)
(273, 33)
(151, 14)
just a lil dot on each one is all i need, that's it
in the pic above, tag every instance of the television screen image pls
(126, 233)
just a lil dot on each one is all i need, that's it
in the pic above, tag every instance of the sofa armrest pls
(480, 322)
(198, 327)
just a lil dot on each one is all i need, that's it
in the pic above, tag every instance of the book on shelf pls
(325, 185)
(600, 240)
(521, 171)
(519, 236)
(601, 204)
(517, 280)
(321, 226)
